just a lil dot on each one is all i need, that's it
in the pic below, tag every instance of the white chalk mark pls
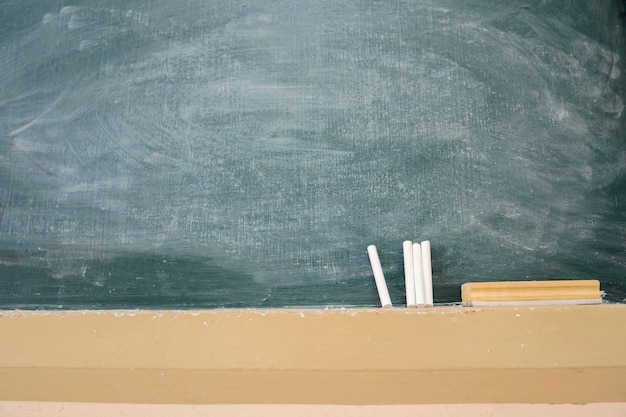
(37, 118)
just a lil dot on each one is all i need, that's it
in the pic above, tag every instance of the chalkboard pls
(206, 154)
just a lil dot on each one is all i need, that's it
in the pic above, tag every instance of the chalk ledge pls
(529, 354)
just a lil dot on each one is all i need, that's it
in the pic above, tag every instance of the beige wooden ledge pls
(375, 357)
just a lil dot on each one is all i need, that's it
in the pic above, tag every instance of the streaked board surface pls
(204, 154)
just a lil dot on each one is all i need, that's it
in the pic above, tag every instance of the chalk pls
(418, 275)
(381, 285)
(427, 270)
(409, 275)
(484, 294)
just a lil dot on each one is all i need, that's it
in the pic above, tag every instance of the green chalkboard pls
(206, 154)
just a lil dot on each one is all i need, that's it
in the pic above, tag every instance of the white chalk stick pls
(409, 276)
(418, 275)
(428, 272)
(381, 285)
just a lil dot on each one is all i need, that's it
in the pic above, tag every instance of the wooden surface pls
(38, 409)
(566, 354)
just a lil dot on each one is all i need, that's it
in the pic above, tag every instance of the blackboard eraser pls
(484, 294)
